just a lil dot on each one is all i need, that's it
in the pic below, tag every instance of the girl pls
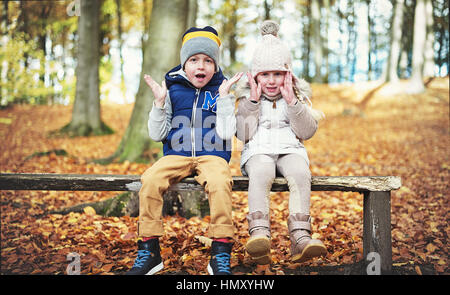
(273, 120)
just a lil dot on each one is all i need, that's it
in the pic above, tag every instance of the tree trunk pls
(428, 69)
(325, 46)
(341, 45)
(192, 13)
(396, 37)
(369, 42)
(352, 38)
(161, 53)
(119, 37)
(316, 41)
(233, 22)
(420, 28)
(86, 118)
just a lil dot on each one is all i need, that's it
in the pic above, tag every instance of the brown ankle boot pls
(302, 246)
(258, 245)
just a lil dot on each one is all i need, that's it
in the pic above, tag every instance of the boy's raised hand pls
(286, 90)
(224, 88)
(159, 92)
(255, 89)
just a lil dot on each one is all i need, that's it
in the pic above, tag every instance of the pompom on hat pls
(200, 40)
(271, 54)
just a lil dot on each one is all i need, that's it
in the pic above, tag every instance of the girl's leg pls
(261, 171)
(296, 171)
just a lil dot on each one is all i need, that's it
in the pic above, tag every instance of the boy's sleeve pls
(159, 120)
(247, 117)
(225, 118)
(302, 122)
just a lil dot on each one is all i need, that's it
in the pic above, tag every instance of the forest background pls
(73, 100)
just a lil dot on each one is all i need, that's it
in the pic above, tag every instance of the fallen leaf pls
(89, 211)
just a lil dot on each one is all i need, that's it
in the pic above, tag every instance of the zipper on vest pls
(194, 107)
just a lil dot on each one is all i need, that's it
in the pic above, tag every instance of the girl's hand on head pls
(287, 90)
(255, 89)
(159, 92)
(224, 88)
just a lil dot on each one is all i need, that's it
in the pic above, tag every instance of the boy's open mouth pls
(200, 76)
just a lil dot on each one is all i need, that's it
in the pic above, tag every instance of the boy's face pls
(271, 82)
(199, 69)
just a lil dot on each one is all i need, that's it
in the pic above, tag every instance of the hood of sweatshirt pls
(177, 75)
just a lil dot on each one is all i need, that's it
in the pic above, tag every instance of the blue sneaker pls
(219, 264)
(148, 261)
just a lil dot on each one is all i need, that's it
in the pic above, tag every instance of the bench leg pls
(377, 228)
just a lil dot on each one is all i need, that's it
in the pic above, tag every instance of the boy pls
(184, 118)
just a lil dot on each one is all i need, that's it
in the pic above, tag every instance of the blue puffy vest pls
(194, 118)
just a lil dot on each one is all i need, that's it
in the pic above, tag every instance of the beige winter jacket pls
(274, 127)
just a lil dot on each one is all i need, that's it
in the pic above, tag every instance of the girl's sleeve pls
(247, 117)
(302, 122)
(225, 118)
(159, 120)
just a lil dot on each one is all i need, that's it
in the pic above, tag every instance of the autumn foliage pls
(391, 134)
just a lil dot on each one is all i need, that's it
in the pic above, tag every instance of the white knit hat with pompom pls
(271, 54)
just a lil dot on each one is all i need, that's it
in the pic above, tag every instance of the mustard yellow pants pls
(212, 172)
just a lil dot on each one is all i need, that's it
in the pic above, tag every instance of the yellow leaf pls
(6, 121)
(8, 249)
(433, 226)
(431, 248)
(204, 240)
(72, 220)
(89, 211)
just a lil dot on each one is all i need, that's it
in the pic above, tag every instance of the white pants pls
(263, 168)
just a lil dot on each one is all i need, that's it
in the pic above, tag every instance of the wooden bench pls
(376, 191)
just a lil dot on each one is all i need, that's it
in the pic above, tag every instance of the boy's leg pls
(155, 182)
(214, 174)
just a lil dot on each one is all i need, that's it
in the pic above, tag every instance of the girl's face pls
(271, 82)
(199, 69)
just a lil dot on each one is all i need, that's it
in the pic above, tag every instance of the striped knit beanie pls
(200, 40)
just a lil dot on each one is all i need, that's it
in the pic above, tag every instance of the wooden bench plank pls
(98, 182)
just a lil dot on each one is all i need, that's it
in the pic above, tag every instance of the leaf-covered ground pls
(394, 134)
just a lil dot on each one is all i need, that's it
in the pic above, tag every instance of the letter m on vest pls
(209, 103)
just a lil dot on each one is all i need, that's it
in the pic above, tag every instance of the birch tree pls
(396, 37)
(420, 31)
